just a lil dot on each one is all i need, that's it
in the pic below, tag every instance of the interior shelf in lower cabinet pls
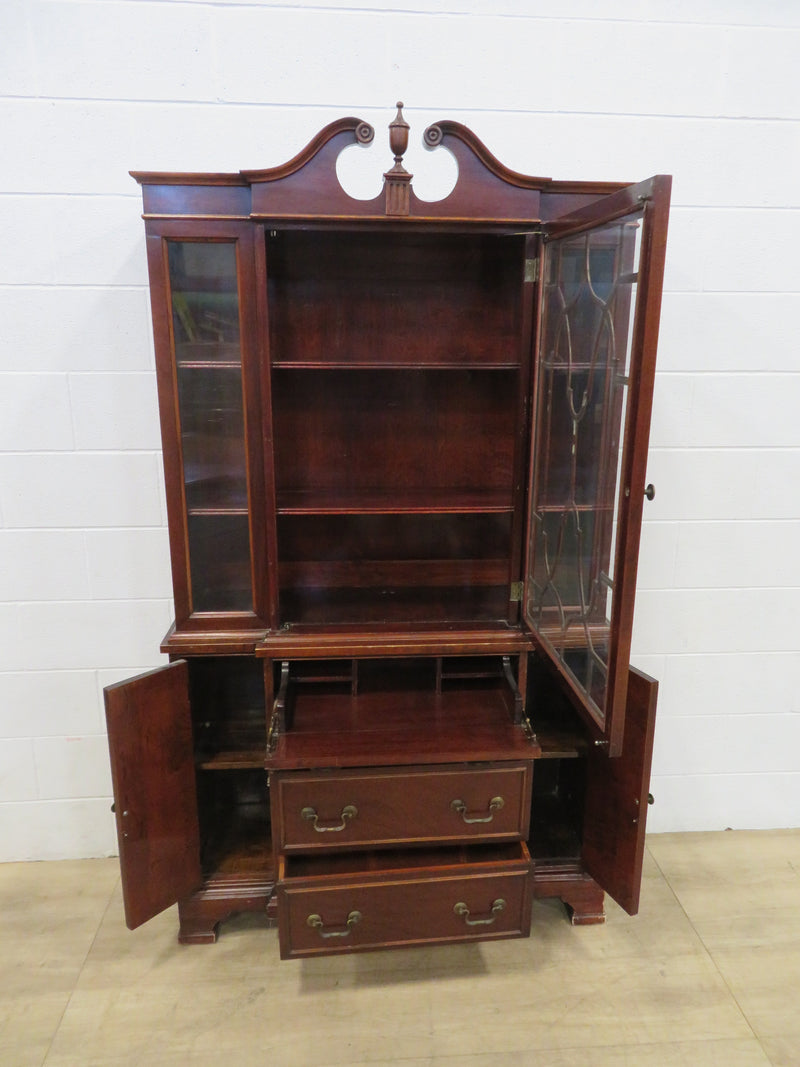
(557, 810)
(231, 759)
(232, 744)
(240, 849)
(228, 712)
(235, 824)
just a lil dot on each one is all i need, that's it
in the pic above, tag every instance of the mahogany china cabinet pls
(404, 447)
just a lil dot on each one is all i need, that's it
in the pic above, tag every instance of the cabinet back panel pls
(393, 537)
(369, 298)
(559, 788)
(393, 430)
(234, 823)
(391, 604)
(228, 703)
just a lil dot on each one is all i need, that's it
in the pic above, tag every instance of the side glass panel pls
(588, 300)
(208, 359)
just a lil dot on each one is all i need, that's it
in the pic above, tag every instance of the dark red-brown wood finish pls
(359, 453)
(390, 808)
(152, 770)
(617, 797)
(329, 905)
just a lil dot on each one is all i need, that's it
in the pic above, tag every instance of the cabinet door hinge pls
(531, 270)
(515, 595)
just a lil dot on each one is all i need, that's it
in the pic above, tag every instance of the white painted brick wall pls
(706, 90)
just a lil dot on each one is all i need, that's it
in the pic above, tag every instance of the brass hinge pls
(529, 731)
(515, 595)
(273, 732)
(531, 270)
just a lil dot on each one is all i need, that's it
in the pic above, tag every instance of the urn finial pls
(398, 135)
(398, 180)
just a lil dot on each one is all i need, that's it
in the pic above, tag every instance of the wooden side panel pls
(616, 799)
(152, 769)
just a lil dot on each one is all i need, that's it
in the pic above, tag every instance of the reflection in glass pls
(205, 324)
(588, 299)
(205, 302)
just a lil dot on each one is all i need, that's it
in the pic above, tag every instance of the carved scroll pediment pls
(307, 186)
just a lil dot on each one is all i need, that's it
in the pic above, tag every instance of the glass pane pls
(205, 301)
(588, 302)
(205, 322)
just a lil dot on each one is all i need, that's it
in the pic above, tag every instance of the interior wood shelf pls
(580, 365)
(339, 729)
(433, 501)
(212, 511)
(559, 744)
(232, 759)
(241, 847)
(216, 495)
(560, 509)
(471, 363)
(209, 364)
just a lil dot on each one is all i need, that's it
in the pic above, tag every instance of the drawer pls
(330, 810)
(338, 903)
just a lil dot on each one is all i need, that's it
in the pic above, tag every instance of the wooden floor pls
(708, 973)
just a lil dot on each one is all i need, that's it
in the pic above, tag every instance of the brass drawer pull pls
(495, 804)
(462, 910)
(349, 811)
(315, 921)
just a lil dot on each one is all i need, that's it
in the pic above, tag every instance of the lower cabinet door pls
(337, 903)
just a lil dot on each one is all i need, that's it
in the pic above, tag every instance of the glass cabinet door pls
(204, 297)
(600, 301)
(208, 365)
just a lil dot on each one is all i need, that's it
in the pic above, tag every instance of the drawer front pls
(401, 806)
(403, 910)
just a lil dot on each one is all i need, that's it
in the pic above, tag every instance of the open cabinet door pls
(617, 793)
(152, 770)
(600, 292)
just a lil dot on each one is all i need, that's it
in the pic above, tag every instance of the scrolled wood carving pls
(364, 133)
(432, 137)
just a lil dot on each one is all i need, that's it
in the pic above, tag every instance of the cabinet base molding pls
(583, 898)
(218, 900)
